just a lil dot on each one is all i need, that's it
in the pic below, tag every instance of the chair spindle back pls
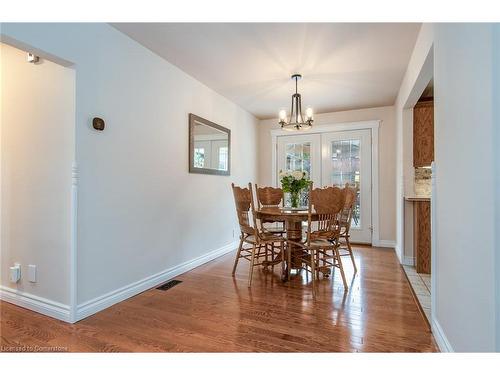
(348, 209)
(269, 196)
(327, 204)
(243, 200)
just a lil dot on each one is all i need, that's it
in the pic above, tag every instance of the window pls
(223, 158)
(199, 157)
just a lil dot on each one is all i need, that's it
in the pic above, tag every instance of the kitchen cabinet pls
(423, 134)
(422, 235)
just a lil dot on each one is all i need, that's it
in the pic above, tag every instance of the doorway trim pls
(372, 125)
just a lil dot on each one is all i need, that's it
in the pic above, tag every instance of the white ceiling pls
(344, 65)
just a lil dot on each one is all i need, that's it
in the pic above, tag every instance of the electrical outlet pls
(32, 273)
(15, 273)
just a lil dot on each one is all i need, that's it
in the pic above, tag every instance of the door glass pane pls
(298, 158)
(346, 169)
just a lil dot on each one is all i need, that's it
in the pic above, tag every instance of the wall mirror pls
(209, 147)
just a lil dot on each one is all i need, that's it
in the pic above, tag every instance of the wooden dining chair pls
(271, 197)
(325, 207)
(253, 235)
(345, 224)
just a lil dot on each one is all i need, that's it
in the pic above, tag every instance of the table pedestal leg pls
(294, 233)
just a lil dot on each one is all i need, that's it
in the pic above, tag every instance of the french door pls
(347, 158)
(334, 159)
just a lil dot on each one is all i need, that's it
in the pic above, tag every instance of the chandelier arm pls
(300, 109)
(296, 107)
(297, 112)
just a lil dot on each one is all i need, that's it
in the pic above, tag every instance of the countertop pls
(417, 198)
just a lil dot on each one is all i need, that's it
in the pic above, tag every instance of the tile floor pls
(421, 285)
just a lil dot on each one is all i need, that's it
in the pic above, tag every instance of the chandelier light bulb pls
(309, 113)
(282, 115)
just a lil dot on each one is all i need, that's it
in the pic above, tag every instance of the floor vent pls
(169, 284)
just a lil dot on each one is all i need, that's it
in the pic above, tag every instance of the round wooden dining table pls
(293, 218)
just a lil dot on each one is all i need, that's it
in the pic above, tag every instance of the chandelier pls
(297, 120)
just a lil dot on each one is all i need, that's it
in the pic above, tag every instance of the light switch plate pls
(32, 273)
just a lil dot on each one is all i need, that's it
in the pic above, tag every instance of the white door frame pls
(373, 125)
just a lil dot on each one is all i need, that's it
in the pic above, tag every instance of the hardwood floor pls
(212, 312)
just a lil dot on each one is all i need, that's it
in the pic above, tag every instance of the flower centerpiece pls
(293, 183)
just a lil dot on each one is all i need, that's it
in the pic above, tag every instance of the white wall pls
(460, 57)
(387, 157)
(464, 184)
(496, 142)
(37, 151)
(140, 211)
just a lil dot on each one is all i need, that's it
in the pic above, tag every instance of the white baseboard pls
(398, 251)
(39, 304)
(408, 261)
(106, 300)
(384, 243)
(441, 340)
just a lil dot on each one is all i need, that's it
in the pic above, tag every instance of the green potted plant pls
(293, 183)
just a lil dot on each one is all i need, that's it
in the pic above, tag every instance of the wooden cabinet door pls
(423, 134)
(422, 236)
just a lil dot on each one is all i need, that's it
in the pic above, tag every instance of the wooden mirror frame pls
(192, 169)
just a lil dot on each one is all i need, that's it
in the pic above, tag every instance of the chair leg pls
(351, 254)
(313, 270)
(322, 260)
(252, 261)
(316, 264)
(237, 256)
(272, 256)
(339, 261)
(282, 249)
(266, 257)
(289, 261)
